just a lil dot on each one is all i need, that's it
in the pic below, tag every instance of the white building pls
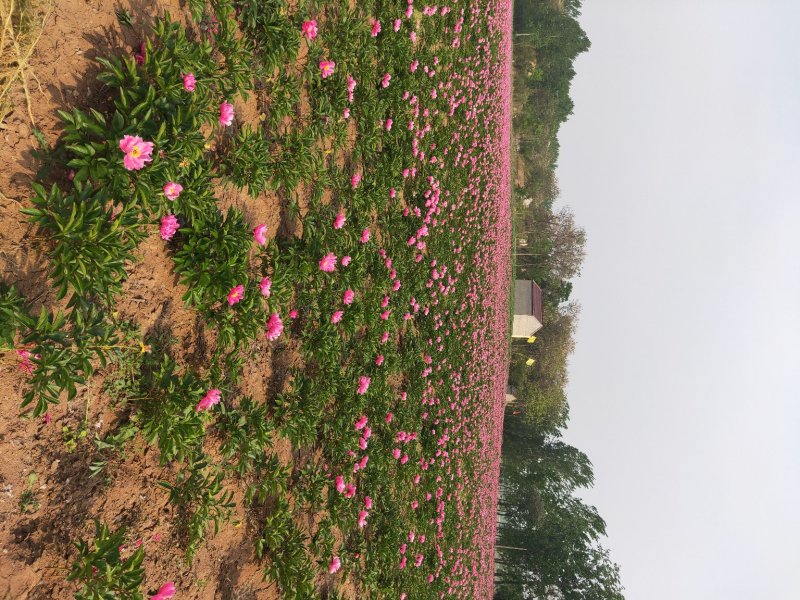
(527, 308)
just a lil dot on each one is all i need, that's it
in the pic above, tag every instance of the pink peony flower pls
(346, 260)
(364, 236)
(338, 222)
(379, 360)
(293, 314)
(335, 565)
(225, 114)
(387, 78)
(355, 180)
(328, 263)
(274, 327)
(349, 296)
(189, 82)
(346, 113)
(361, 423)
(367, 502)
(235, 295)
(339, 482)
(349, 490)
(266, 287)
(141, 56)
(397, 24)
(169, 225)
(260, 234)
(327, 68)
(25, 363)
(389, 124)
(172, 190)
(210, 399)
(363, 385)
(309, 29)
(137, 152)
(336, 317)
(165, 592)
(362, 518)
(376, 28)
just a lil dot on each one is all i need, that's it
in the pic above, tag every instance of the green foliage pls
(247, 433)
(300, 410)
(540, 388)
(63, 350)
(272, 31)
(244, 161)
(199, 494)
(212, 260)
(271, 479)
(311, 483)
(28, 502)
(101, 571)
(294, 160)
(284, 94)
(113, 442)
(283, 546)
(548, 539)
(92, 239)
(12, 314)
(168, 414)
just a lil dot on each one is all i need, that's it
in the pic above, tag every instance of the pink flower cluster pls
(169, 225)
(309, 29)
(210, 399)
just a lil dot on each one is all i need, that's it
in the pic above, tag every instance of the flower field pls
(253, 308)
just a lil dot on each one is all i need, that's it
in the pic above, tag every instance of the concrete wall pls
(525, 326)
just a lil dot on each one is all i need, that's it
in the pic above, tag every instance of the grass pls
(28, 502)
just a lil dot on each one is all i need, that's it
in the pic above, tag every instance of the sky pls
(682, 162)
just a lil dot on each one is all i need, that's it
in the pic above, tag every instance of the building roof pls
(527, 308)
(536, 301)
(528, 298)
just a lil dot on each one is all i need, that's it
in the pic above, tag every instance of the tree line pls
(549, 540)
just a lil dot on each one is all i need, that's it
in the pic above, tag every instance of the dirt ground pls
(36, 549)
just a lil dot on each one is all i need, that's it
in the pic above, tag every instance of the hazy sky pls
(682, 161)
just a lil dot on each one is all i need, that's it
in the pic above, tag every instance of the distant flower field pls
(337, 413)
